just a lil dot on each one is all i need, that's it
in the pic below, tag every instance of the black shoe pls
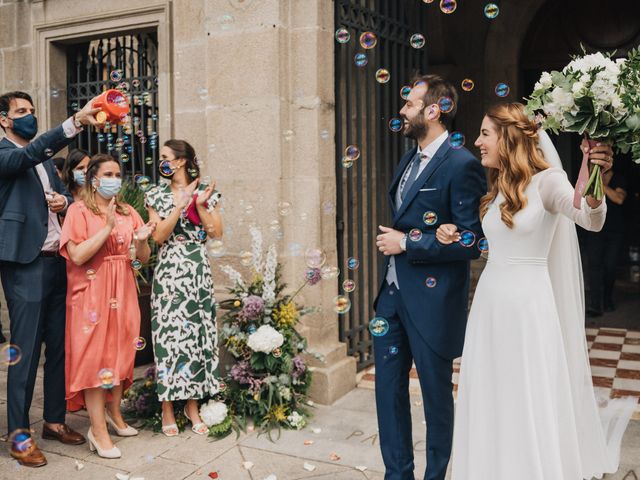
(609, 306)
(593, 313)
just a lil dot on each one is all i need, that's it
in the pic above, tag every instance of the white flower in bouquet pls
(213, 413)
(544, 82)
(285, 393)
(265, 339)
(269, 287)
(296, 420)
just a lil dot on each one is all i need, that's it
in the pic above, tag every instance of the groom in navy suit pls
(421, 308)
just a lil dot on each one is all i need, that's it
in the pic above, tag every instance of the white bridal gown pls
(526, 407)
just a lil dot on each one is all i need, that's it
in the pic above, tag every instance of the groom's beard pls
(415, 129)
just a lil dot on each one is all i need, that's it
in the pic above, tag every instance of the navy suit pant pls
(36, 297)
(395, 352)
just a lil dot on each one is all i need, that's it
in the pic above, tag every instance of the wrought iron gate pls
(130, 64)
(364, 108)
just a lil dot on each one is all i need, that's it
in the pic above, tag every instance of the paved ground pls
(348, 429)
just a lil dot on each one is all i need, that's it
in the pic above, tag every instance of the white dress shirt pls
(426, 155)
(52, 242)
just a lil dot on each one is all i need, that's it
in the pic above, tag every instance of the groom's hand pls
(388, 242)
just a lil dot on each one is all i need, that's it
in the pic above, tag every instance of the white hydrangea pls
(544, 82)
(296, 420)
(213, 413)
(265, 339)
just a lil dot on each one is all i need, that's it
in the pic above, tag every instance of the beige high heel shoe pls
(113, 452)
(170, 430)
(198, 428)
(128, 431)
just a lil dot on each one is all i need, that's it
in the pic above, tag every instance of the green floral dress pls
(183, 314)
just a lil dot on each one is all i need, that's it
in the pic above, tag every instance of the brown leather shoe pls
(28, 454)
(63, 434)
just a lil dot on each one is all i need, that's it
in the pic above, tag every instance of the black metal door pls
(128, 63)
(364, 108)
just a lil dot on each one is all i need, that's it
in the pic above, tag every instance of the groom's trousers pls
(395, 352)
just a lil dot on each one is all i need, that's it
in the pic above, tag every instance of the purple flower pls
(252, 307)
(150, 373)
(298, 367)
(313, 275)
(241, 372)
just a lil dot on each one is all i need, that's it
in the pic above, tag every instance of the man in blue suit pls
(33, 273)
(421, 308)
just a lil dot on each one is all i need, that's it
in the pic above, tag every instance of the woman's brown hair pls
(89, 191)
(182, 149)
(519, 158)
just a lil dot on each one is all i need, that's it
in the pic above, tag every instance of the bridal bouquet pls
(628, 139)
(269, 378)
(589, 96)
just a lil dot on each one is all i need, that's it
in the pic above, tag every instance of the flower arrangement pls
(269, 380)
(629, 134)
(586, 97)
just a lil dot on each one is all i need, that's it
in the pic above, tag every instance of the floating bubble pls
(124, 158)
(483, 245)
(246, 258)
(251, 329)
(202, 235)
(329, 273)
(93, 318)
(135, 83)
(10, 355)
(105, 376)
(328, 207)
(491, 11)
(343, 35)
(348, 285)
(445, 104)
(468, 84)
(315, 258)
(284, 208)
(360, 59)
(21, 442)
(430, 282)
(324, 134)
(396, 124)
(288, 135)
(368, 40)
(148, 160)
(48, 152)
(378, 326)
(165, 168)
(502, 90)
(91, 274)
(353, 263)
(467, 238)
(277, 352)
(448, 6)
(55, 92)
(456, 140)
(143, 182)
(113, 303)
(341, 304)
(427, 1)
(181, 238)
(203, 93)
(352, 152)
(226, 21)
(136, 264)
(415, 235)
(115, 75)
(215, 248)
(346, 162)
(405, 91)
(249, 209)
(430, 218)
(222, 387)
(139, 343)
(417, 40)
(383, 75)
(393, 350)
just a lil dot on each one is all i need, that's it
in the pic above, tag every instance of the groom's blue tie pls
(411, 178)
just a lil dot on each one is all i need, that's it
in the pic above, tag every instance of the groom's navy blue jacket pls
(450, 186)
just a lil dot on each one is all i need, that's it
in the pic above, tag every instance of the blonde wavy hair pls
(519, 158)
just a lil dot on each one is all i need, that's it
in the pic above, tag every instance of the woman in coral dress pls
(104, 241)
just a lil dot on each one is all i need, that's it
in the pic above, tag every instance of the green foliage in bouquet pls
(628, 139)
(269, 380)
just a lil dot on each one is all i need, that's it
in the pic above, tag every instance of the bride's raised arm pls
(557, 196)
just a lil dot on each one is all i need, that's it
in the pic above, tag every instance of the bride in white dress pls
(526, 407)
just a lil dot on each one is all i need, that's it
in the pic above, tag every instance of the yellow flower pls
(148, 383)
(236, 303)
(277, 413)
(286, 314)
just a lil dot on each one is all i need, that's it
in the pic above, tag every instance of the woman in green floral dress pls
(183, 321)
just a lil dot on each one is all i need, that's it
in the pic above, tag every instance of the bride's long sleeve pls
(557, 197)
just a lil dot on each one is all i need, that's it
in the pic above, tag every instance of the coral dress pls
(103, 316)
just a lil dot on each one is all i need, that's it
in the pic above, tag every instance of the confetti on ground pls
(79, 466)
(213, 475)
(308, 442)
(334, 457)
(122, 476)
(316, 430)
(271, 477)
(309, 467)
(247, 465)
(311, 403)
(362, 468)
